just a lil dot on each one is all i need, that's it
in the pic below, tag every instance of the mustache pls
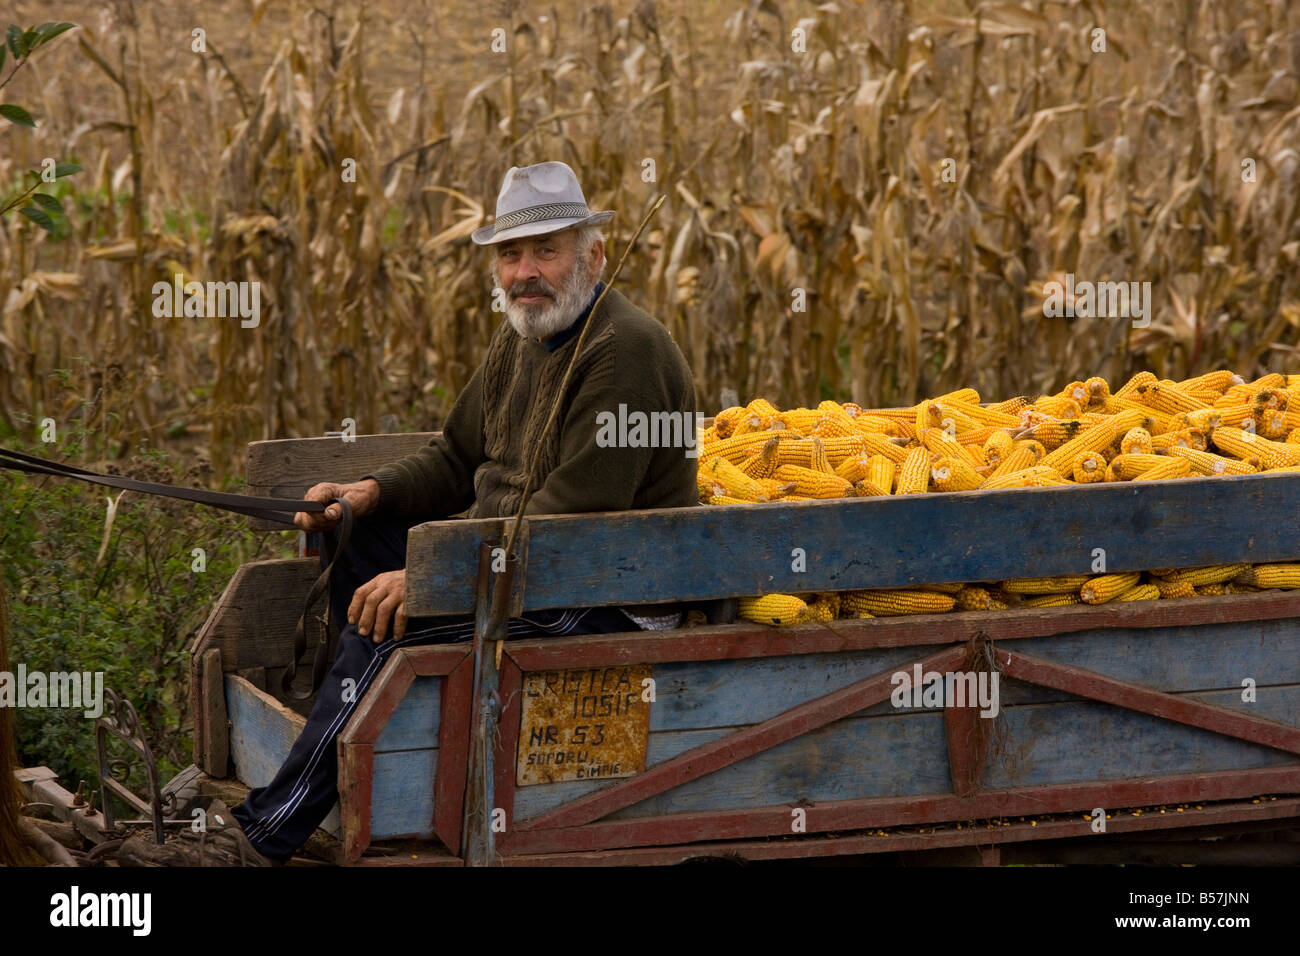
(538, 287)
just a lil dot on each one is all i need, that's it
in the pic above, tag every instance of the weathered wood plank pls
(254, 619)
(286, 468)
(449, 785)
(402, 802)
(701, 553)
(414, 725)
(212, 736)
(262, 731)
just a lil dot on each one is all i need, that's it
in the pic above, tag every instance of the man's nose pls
(526, 269)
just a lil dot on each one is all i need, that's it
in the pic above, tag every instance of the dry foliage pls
(783, 170)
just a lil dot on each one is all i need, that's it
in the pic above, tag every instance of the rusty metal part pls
(121, 720)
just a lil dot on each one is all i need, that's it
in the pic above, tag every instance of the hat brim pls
(488, 236)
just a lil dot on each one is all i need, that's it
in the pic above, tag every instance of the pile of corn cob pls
(1147, 430)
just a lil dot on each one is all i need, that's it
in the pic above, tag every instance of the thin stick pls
(568, 372)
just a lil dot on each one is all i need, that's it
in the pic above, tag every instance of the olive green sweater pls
(479, 459)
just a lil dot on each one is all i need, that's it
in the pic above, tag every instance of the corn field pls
(865, 201)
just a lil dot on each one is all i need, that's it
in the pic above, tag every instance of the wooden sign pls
(583, 724)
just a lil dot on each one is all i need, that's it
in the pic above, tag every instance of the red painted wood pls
(381, 700)
(908, 841)
(1086, 683)
(877, 812)
(435, 660)
(967, 735)
(713, 756)
(744, 640)
(510, 691)
(356, 783)
(453, 744)
(421, 857)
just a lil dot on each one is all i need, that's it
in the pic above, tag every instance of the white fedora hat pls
(538, 199)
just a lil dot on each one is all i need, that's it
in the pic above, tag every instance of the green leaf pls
(16, 114)
(65, 169)
(4, 51)
(39, 217)
(15, 37)
(49, 31)
(31, 40)
(48, 203)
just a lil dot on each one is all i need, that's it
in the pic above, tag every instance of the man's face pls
(547, 280)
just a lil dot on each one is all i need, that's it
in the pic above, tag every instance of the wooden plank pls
(286, 468)
(262, 731)
(682, 554)
(920, 810)
(402, 798)
(903, 755)
(709, 758)
(380, 702)
(212, 735)
(254, 619)
(1096, 686)
(506, 739)
(910, 841)
(414, 724)
(449, 785)
(356, 788)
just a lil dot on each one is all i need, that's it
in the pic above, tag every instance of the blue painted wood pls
(261, 733)
(402, 798)
(700, 553)
(414, 725)
(905, 755)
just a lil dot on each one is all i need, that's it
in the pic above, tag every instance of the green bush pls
(131, 612)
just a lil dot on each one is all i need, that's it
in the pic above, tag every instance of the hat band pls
(553, 210)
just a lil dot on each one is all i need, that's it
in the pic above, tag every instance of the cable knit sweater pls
(479, 459)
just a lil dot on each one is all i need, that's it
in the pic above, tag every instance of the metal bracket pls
(121, 720)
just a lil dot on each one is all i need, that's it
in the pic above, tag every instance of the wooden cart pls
(745, 741)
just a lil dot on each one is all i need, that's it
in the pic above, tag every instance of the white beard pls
(542, 320)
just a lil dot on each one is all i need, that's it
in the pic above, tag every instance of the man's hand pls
(375, 602)
(363, 496)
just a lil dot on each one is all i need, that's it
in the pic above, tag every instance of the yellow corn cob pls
(998, 445)
(762, 408)
(1293, 437)
(1211, 590)
(1212, 381)
(1107, 587)
(1131, 386)
(1271, 398)
(1136, 441)
(865, 489)
(736, 482)
(880, 472)
(1078, 392)
(733, 449)
(825, 607)
(1051, 600)
(828, 407)
(954, 474)
(1055, 433)
(977, 437)
(1098, 390)
(1060, 584)
(1239, 444)
(803, 419)
(1208, 463)
(772, 609)
(1199, 577)
(1038, 476)
(1166, 397)
(896, 601)
(748, 424)
(776, 489)
(1140, 592)
(941, 416)
(726, 500)
(853, 469)
(760, 461)
(1058, 407)
(937, 441)
(985, 416)
(1285, 576)
(1094, 439)
(727, 419)
(1012, 406)
(1018, 459)
(973, 598)
(1186, 438)
(880, 445)
(1170, 468)
(813, 484)
(967, 395)
(1088, 466)
(1202, 418)
(1128, 467)
(946, 587)
(1272, 423)
(1175, 589)
(819, 461)
(914, 474)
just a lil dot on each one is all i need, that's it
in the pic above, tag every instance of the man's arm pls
(438, 480)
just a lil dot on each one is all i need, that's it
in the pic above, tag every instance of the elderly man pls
(549, 259)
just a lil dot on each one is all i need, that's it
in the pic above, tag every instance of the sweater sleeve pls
(438, 480)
